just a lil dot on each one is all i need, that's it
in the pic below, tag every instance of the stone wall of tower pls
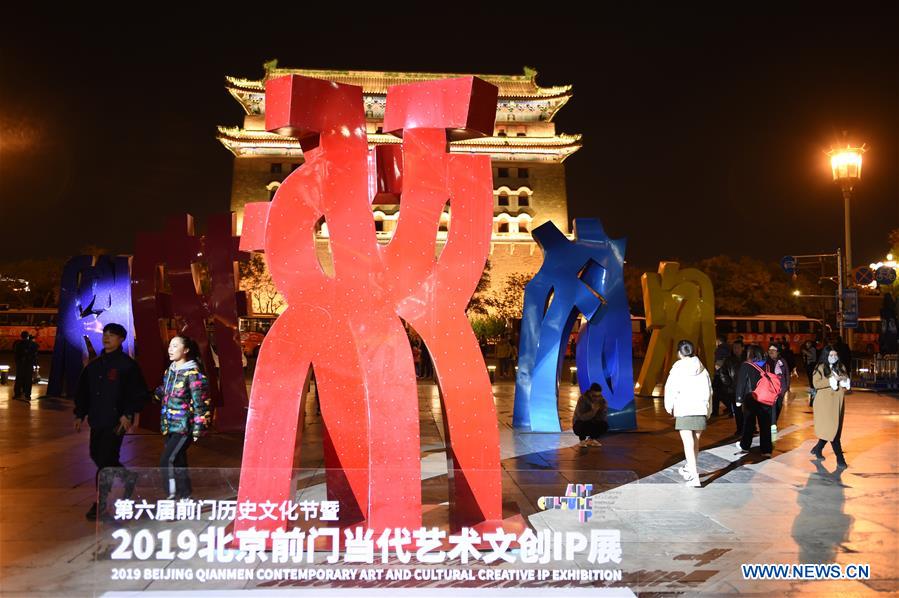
(506, 259)
(250, 181)
(546, 181)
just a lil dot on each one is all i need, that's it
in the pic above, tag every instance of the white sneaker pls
(583, 443)
(694, 482)
(684, 472)
(593, 442)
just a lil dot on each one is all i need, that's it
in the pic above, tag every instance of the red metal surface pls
(148, 309)
(347, 325)
(221, 253)
(183, 249)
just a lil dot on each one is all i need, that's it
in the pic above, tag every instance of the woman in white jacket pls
(688, 397)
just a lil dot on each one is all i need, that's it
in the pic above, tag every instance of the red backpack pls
(768, 387)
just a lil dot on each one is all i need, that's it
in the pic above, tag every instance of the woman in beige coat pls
(830, 381)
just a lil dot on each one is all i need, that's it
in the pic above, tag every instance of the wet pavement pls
(675, 540)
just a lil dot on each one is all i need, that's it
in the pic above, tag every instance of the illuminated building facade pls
(526, 151)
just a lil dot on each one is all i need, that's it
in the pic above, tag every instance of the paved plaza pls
(676, 540)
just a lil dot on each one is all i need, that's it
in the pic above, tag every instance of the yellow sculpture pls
(679, 304)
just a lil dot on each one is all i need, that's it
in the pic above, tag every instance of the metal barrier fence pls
(880, 372)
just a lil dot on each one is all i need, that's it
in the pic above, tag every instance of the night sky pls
(702, 135)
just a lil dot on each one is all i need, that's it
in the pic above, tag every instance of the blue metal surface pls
(580, 277)
(95, 291)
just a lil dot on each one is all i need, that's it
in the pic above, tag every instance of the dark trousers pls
(753, 412)
(505, 366)
(592, 429)
(24, 374)
(721, 397)
(738, 418)
(105, 446)
(173, 463)
(810, 372)
(427, 368)
(834, 444)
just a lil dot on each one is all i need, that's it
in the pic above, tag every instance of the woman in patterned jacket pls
(184, 395)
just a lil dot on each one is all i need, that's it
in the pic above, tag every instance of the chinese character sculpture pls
(679, 304)
(173, 257)
(348, 327)
(604, 353)
(94, 291)
(581, 277)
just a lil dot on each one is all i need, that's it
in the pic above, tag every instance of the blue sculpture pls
(581, 277)
(94, 291)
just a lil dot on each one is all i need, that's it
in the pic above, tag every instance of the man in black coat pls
(25, 353)
(724, 384)
(111, 390)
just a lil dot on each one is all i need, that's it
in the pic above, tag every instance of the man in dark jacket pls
(111, 390)
(25, 353)
(724, 384)
(754, 413)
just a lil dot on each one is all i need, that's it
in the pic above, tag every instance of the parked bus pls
(759, 330)
(39, 322)
(754, 329)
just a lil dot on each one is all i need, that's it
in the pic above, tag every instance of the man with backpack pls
(756, 391)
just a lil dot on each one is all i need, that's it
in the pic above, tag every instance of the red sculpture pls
(172, 257)
(182, 250)
(149, 306)
(348, 327)
(224, 305)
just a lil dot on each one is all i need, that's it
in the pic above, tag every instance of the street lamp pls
(846, 165)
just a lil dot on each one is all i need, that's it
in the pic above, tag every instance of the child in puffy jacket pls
(688, 397)
(184, 398)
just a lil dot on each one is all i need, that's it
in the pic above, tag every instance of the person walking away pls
(184, 398)
(688, 397)
(110, 391)
(25, 356)
(831, 381)
(589, 421)
(748, 377)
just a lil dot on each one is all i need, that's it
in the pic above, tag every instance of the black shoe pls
(130, 483)
(817, 454)
(841, 463)
(91, 515)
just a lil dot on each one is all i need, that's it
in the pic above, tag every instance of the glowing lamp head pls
(846, 163)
